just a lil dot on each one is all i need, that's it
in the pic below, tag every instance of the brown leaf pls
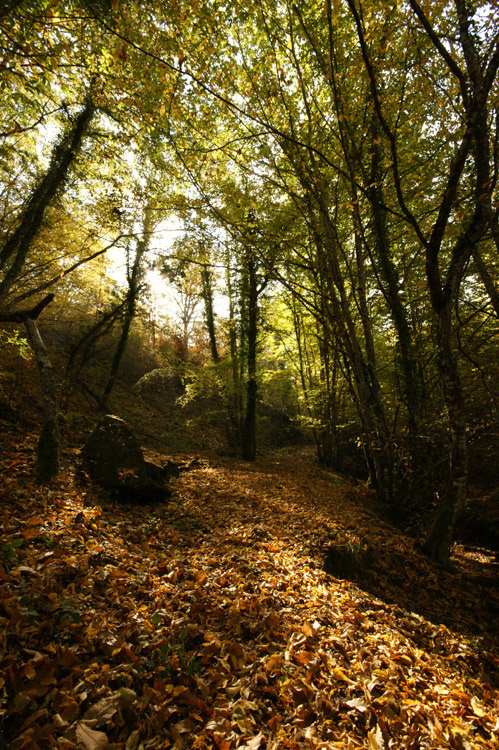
(255, 743)
(19, 703)
(302, 657)
(102, 712)
(273, 662)
(201, 577)
(133, 740)
(30, 533)
(341, 676)
(90, 738)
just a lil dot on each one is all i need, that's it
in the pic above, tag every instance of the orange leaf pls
(302, 657)
(221, 742)
(273, 662)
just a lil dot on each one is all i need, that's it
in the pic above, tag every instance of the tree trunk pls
(209, 314)
(391, 280)
(438, 542)
(47, 459)
(249, 425)
(487, 280)
(120, 348)
(234, 407)
(16, 247)
(130, 306)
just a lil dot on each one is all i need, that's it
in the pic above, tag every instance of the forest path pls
(209, 622)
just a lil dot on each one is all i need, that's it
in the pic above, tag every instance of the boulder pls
(112, 456)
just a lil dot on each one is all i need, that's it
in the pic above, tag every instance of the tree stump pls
(113, 458)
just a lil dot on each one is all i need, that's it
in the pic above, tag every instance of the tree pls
(134, 271)
(474, 69)
(47, 459)
(16, 246)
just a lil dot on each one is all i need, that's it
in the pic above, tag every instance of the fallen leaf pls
(103, 711)
(339, 674)
(90, 738)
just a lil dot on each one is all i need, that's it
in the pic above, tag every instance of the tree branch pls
(20, 316)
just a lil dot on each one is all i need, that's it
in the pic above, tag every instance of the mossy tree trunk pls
(207, 294)
(15, 249)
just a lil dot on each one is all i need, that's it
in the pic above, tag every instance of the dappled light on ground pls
(209, 622)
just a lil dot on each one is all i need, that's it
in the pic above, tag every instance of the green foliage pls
(17, 342)
(200, 382)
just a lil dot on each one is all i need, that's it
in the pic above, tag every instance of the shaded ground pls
(210, 623)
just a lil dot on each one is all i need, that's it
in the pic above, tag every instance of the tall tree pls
(16, 246)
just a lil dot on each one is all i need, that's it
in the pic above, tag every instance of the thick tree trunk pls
(439, 539)
(47, 460)
(15, 249)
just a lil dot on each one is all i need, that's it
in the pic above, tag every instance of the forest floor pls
(209, 622)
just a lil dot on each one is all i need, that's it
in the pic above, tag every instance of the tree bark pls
(391, 279)
(129, 308)
(487, 280)
(438, 542)
(249, 425)
(234, 403)
(47, 459)
(209, 314)
(16, 247)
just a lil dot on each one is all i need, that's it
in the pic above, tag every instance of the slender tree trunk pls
(209, 314)
(487, 280)
(303, 380)
(120, 349)
(373, 417)
(391, 280)
(249, 425)
(376, 434)
(234, 424)
(131, 303)
(47, 458)
(328, 454)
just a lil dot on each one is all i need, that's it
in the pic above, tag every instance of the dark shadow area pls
(466, 601)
